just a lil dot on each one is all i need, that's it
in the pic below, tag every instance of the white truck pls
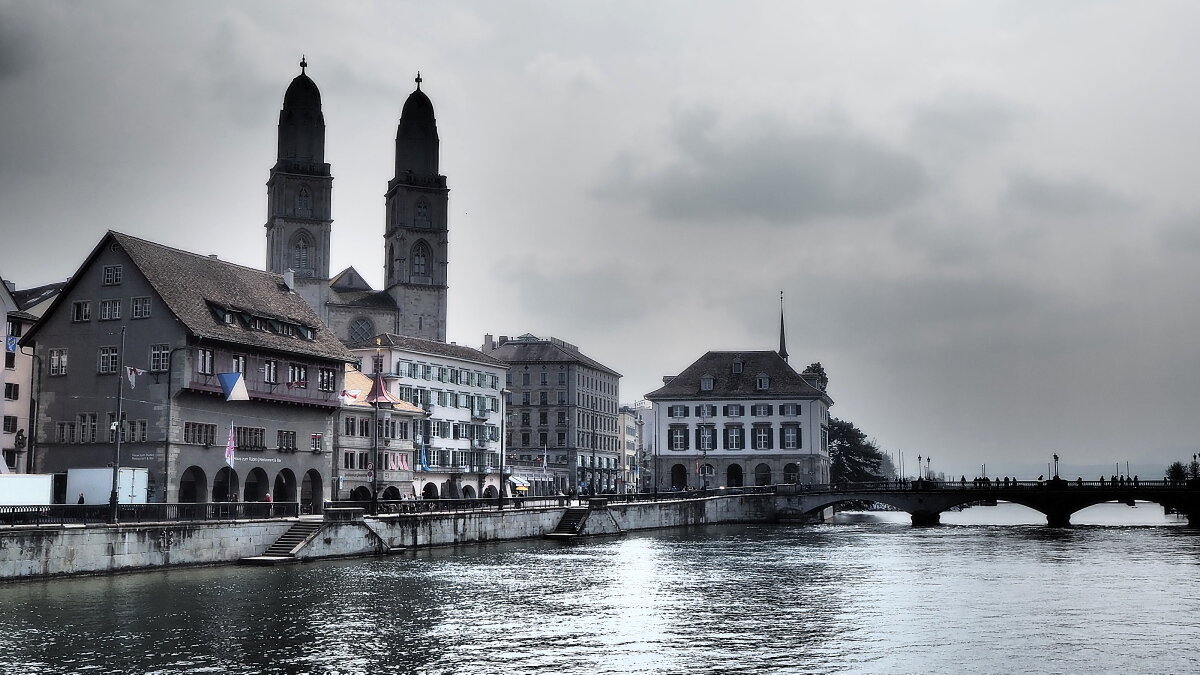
(95, 485)
(19, 489)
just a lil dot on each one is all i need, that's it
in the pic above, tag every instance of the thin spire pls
(782, 340)
(303, 63)
(418, 80)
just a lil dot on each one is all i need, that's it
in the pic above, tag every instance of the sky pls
(983, 215)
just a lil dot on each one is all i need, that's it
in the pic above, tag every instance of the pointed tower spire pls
(782, 340)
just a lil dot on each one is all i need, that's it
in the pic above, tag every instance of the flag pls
(350, 395)
(545, 457)
(230, 446)
(424, 462)
(233, 385)
(132, 374)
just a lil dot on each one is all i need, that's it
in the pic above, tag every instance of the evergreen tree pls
(853, 458)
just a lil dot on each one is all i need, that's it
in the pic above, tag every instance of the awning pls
(519, 482)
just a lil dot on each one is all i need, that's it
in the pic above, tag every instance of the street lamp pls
(1056, 465)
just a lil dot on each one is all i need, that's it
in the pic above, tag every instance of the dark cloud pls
(1062, 198)
(961, 122)
(18, 44)
(768, 172)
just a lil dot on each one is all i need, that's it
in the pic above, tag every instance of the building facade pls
(457, 444)
(146, 329)
(629, 421)
(740, 418)
(563, 410)
(416, 235)
(18, 375)
(373, 446)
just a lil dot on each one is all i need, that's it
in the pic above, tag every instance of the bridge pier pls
(925, 518)
(1058, 519)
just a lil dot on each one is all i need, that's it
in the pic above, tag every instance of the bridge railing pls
(992, 485)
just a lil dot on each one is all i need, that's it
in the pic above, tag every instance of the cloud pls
(962, 122)
(767, 171)
(558, 72)
(1062, 198)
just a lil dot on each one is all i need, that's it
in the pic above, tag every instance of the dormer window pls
(763, 382)
(706, 383)
(737, 366)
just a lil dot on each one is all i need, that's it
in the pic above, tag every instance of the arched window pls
(361, 329)
(421, 218)
(300, 257)
(303, 201)
(420, 260)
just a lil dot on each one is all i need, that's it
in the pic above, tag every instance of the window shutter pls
(782, 439)
(670, 411)
(698, 443)
(770, 439)
(686, 440)
(770, 410)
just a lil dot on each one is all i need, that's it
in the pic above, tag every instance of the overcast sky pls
(984, 214)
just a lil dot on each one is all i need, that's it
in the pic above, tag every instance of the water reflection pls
(994, 591)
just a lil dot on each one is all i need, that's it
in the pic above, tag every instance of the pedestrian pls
(81, 499)
(267, 498)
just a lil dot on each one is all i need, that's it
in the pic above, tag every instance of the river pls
(990, 591)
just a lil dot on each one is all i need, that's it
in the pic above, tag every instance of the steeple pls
(782, 339)
(416, 136)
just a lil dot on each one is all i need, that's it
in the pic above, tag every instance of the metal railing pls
(82, 514)
(993, 484)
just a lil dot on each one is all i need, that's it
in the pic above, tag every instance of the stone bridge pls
(1056, 498)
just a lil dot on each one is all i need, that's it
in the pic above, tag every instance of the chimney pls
(213, 256)
(667, 379)
(289, 279)
(488, 343)
(503, 339)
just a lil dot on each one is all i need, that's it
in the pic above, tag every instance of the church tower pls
(415, 235)
(299, 193)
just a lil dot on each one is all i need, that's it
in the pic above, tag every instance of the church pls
(300, 221)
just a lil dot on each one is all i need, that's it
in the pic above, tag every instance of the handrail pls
(83, 514)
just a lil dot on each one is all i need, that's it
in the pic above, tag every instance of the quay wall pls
(52, 551)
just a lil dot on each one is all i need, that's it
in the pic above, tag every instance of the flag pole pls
(117, 427)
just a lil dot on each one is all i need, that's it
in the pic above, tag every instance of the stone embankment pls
(66, 550)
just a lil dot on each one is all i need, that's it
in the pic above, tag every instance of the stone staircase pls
(571, 523)
(284, 549)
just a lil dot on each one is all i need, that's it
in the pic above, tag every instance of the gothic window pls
(420, 260)
(421, 219)
(304, 201)
(361, 329)
(300, 254)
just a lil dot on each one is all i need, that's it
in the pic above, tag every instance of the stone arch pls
(225, 485)
(430, 491)
(301, 252)
(193, 486)
(312, 490)
(391, 493)
(468, 492)
(489, 492)
(762, 474)
(791, 473)
(362, 493)
(285, 486)
(257, 485)
(679, 477)
(734, 477)
(421, 261)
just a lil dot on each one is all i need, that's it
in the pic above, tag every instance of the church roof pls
(431, 347)
(349, 279)
(302, 94)
(378, 299)
(727, 384)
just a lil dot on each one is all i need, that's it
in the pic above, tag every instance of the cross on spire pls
(418, 80)
(303, 63)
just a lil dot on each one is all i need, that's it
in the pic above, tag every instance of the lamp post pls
(1055, 475)
(118, 428)
(919, 467)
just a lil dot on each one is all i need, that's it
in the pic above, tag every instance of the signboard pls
(10, 344)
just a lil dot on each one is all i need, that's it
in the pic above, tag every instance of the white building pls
(457, 446)
(629, 425)
(741, 418)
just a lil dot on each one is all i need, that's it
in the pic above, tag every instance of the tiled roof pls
(188, 283)
(432, 347)
(544, 351)
(362, 298)
(24, 316)
(729, 385)
(356, 380)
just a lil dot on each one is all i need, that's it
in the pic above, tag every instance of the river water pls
(990, 591)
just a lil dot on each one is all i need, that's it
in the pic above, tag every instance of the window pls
(525, 398)
(10, 360)
(58, 362)
(297, 376)
(107, 361)
(421, 214)
(543, 398)
(562, 398)
(112, 427)
(562, 439)
(706, 383)
(110, 310)
(706, 438)
(545, 379)
(160, 358)
(524, 419)
(250, 438)
(525, 379)
(737, 366)
(238, 364)
(426, 371)
(361, 329)
(286, 439)
(300, 254)
(677, 411)
(790, 437)
(81, 311)
(325, 379)
(761, 410)
(351, 425)
(139, 308)
(13, 328)
(65, 432)
(525, 439)
(734, 410)
(271, 372)
(543, 417)
(763, 382)
(420, 260)
(196, 433)
(10, 424)
(316, 442)
(112, 275)
(707, 410)
(789, 409)
(762, 437)
(137, 431)
(679, 438)
(204, 361)
(303, 201)
(88, 425)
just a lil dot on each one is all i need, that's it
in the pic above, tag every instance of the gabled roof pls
(431, 347)
(196, 289)
(349, 280)
(529, 348)
(356, 381)
(368, 298)
(785, 382)
(32, 296)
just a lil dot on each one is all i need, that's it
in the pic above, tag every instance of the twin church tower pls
(299, 224)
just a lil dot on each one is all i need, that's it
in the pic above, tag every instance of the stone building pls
(147, 329)
(457, 445)
(563, 413)
(300, 220)
(740, 418)
(373, 447)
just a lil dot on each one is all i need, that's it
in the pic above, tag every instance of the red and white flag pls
(230, 446)
(132, 374)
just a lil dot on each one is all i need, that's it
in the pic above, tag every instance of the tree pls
(818, 370)
(1177, 472)
(853, 458)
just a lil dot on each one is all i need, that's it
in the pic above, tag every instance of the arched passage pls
(285, 486)
(733, 476)
(193, 486)
(361, 493)
(678, 477)
(257, 485)
(468, 492)
(312, 491)
(225, 485)
(430, 491)
(391, 493)
(762, 474)
(489, 492)
(791, 473)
